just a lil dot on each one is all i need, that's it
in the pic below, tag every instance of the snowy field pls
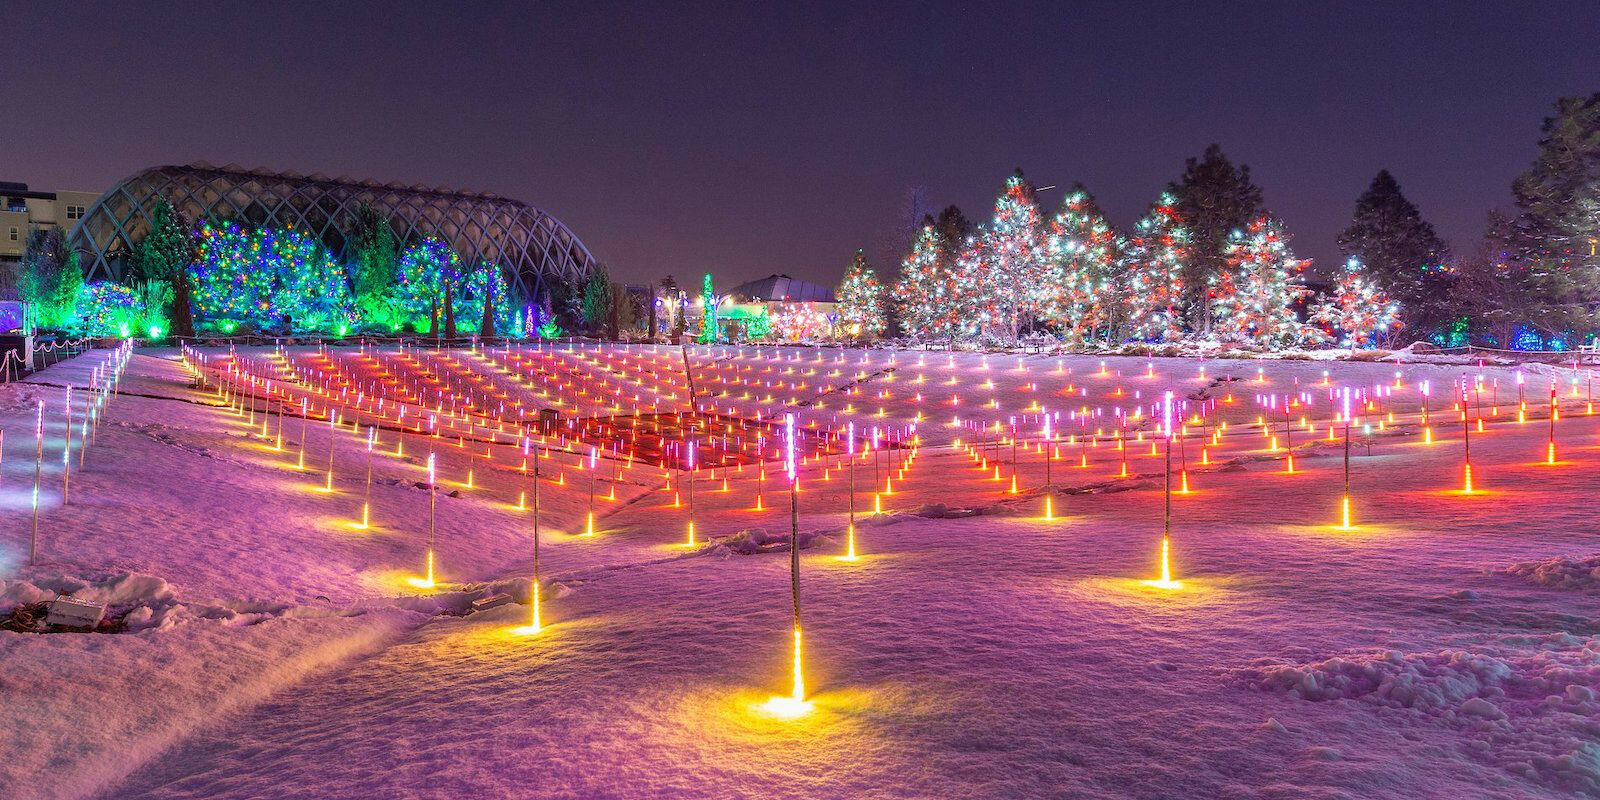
(266, 645)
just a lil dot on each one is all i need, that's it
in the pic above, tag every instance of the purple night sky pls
(746, 139)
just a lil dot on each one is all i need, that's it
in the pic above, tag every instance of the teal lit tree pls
(166, 255)
(861, 303)
(708, 319)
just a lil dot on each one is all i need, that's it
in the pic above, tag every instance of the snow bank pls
(1561, 572)
(1526, 704)
(83, 710)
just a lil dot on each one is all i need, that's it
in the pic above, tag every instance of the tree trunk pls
(449, 313)
(182, 314)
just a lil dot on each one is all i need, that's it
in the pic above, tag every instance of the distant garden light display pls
(108, 309)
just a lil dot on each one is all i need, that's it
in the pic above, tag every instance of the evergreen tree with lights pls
(1088, 297)
(1154, 263)
(922, 293)
(1214, 199)
(165, 254)
(311, 288)
(1253, 302)
(429, 272)
(1400, 254)
(1358, 313)
(861, 300)
(1553, 243)
(374, 259)
(1000, 280)
(708, 309)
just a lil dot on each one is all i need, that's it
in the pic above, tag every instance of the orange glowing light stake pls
(690, 447)
(1466, 442)
(795, 704)
(1549, 448)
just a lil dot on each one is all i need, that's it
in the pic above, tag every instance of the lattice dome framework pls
(533, 247)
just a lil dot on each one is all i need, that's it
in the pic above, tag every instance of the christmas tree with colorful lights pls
(1002, 282)
(922, 295)
(429, 271)
(1154, 262)
(1358, 313)
(1253, 301)
(1088, 296)
(861, 301)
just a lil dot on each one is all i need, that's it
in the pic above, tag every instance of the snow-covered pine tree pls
(861, 300)
(1082, 257)
(1358, 313)
(1255, 304)
(1154, 263)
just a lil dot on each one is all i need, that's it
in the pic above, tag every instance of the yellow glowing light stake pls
(1166, 581)
(535, 624)
(366, 500)
(588, 528)
(1344, 504)
(427, 581)
(795, 704)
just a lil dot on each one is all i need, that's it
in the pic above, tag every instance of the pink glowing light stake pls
(795, 704)
(850, 456)
(66, 452)
(38, 472)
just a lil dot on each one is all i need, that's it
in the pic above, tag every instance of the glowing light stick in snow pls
(795, 704)
(1166, 581)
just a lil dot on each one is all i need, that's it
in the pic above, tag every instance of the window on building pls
(13, 234)
(75, 212)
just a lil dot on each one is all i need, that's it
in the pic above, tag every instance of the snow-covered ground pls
(1448, 645)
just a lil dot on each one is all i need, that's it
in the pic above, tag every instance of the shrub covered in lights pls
(261, 276)
(427, 268)
(109, 309)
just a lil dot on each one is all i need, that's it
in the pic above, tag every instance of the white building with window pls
(23, 210)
